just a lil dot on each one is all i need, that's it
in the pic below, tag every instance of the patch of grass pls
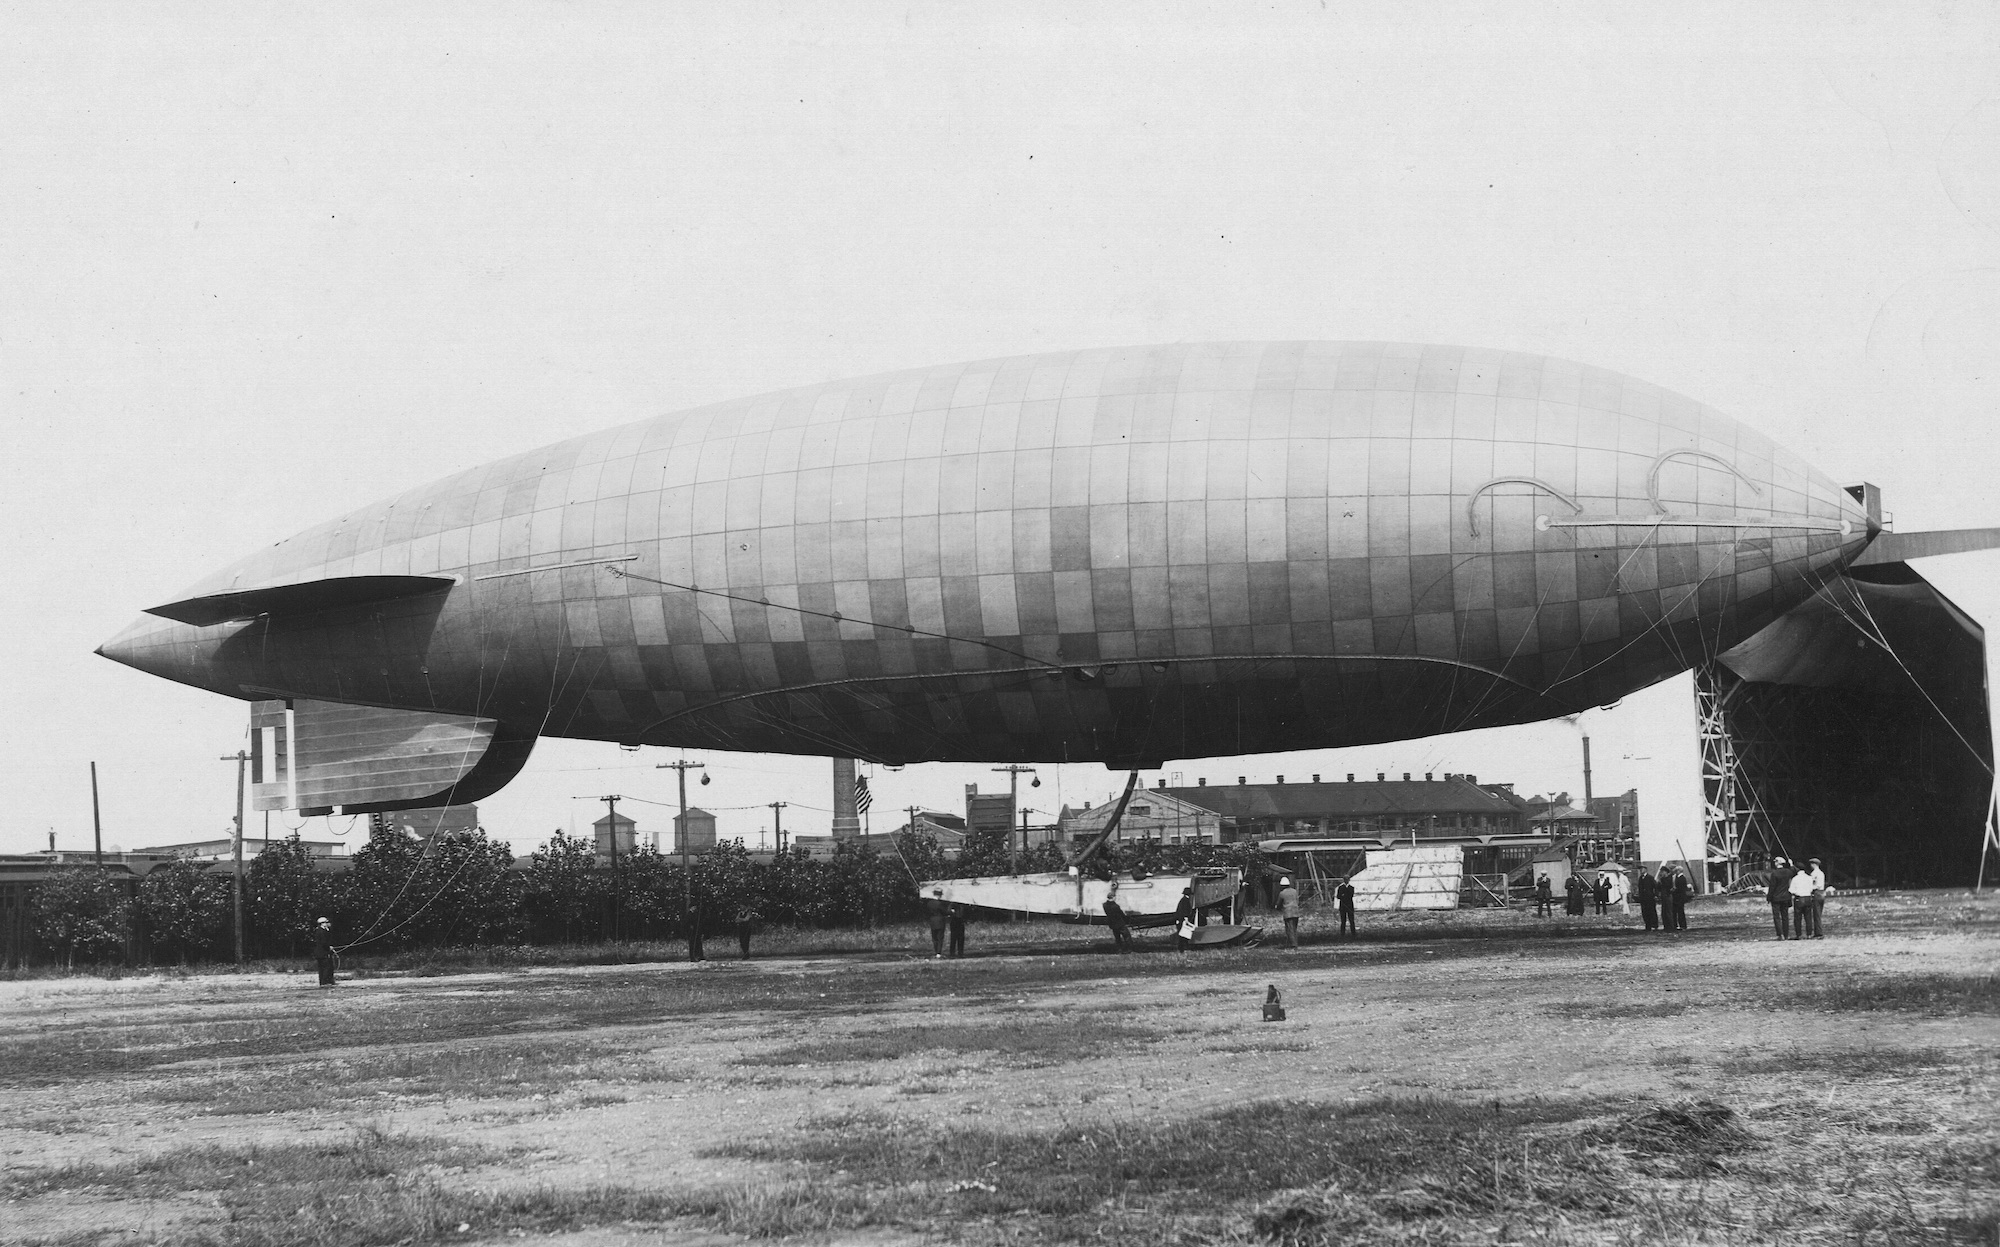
(370, 1154)
(1051, 1040)
(1598, 1009)
(1268, 1045)
(506, 1070)
(1685, 1139)
(37, 1050)
(1188, 1180)
(1847, 1063)
(1939, 995)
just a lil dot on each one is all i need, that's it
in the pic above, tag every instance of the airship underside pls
(1121, 555)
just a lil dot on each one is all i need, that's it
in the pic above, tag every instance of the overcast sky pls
(260, 265)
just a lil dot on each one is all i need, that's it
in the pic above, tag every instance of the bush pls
(81, 911)
(185, 909)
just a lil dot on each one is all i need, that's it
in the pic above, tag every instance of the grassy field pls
(1461, 1078)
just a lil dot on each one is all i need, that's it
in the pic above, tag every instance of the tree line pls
(466, 889)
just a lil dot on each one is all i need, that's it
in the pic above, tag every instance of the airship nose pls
(155, 646)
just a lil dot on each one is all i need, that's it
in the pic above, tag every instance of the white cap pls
(1285, 880)
(326, 922)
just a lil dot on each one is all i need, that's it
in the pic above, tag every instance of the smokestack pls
(1586, 774)
(846, 819)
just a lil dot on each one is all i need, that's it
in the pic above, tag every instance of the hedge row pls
(463, 888)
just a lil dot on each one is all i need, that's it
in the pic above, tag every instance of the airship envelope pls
(1120, 555)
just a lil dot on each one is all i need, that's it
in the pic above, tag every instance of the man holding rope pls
(323, 951)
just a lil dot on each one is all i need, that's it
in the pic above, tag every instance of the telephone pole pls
(681, 769)
(242, 760)
(96, 823)
(778, 823)
(1014, 773)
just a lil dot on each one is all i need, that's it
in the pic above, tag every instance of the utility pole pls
(96, 824)
(1025, 811)
(778, 823)
(681, 769)
(1014, 773)
(242, 760)
(617, 878)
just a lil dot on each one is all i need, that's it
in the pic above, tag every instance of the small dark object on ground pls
(1274, 1005)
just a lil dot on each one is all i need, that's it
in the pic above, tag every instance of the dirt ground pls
(668, 1079)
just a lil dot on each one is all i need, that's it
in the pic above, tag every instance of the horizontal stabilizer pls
(1902, 547)
(307, 598)
(362, 759)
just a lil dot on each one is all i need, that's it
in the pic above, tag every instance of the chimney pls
(1200, 782)
(1427, 777)
(1161, 785)
(1379, 777)
(1406, 777)
(1241, 779)
(1350, 777)
(1315, 777)
(1281, 779)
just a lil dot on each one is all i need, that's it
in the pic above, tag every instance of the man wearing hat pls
(322, 936)
(1288, 905)
(1343, 892)
(1801, 890)
(1818, 877)
(1778, 894)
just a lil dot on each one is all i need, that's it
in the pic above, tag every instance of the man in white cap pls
(1288, 905)
(323, 951)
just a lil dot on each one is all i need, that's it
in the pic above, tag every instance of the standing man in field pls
(1683, 893)
(1801, 890)
(1288, 905)
(1121, 932)
(937, 914)
(1778, 895)
(955, 916)
(1818, 895)
(322, 937)
(1344, 894)
(1649, 912)
(1544, 896)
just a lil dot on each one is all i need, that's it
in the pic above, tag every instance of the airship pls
(1121, 555)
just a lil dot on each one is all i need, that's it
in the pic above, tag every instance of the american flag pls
(862, 797)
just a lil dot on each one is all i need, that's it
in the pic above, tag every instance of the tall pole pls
(617, 878)
(778, 823)
(242, 760)
(1586, 772)
(96, 824)
(681, 769)
(1014, 773)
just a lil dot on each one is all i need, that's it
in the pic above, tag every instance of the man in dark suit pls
(1778, 894)
(1683, 893)
(1344, 894)
(1649, 896)
(322, 937)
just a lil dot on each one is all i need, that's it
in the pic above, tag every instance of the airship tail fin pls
(304, 598)
(316, 757)
(1902, 547)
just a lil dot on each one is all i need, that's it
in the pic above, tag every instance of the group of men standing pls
(1663, 898)
(1796, 897)
(1288, 907)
